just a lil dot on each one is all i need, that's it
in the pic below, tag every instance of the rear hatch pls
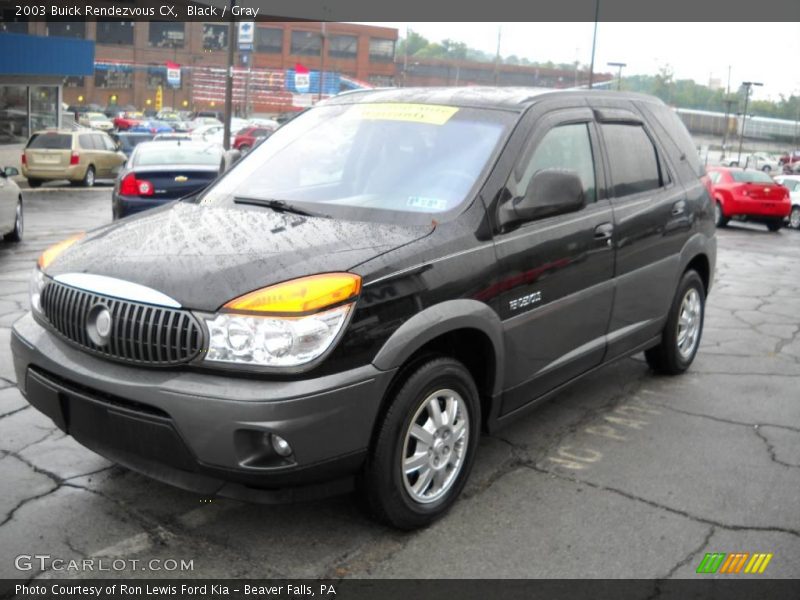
(170, 183)
(48, 150)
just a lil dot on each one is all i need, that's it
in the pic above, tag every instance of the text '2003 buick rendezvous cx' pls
(384, 278)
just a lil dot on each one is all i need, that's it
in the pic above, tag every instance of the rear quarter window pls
(678, 139)
(86, 141)
(50, 141)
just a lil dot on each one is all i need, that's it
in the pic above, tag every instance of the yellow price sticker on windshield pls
(432, 114)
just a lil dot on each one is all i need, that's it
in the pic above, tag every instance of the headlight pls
(35, 289)
(285, 325)
(273, 341)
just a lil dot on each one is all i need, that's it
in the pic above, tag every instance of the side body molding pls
(438, 320)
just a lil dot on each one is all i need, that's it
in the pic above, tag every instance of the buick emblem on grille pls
(98, 324)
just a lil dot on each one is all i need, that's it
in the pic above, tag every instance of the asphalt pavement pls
(625, 474)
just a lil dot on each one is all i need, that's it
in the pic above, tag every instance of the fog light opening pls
(280, 445)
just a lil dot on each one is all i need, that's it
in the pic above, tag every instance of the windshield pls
(361, 160)
(164, 153)
(751, 177)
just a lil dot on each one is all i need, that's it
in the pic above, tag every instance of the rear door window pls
(86, 141)
(632, 158)
(50, 141)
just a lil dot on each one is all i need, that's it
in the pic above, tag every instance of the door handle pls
(678, 208)
(603, 233)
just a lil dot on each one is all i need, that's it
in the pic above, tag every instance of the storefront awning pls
(38, 55)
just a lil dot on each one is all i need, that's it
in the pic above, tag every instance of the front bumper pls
(204, 432)
(125, 206)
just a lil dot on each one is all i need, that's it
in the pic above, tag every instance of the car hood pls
(204, 256)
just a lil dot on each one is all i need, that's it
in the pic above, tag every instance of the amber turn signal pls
(300, 295)
(49, 255)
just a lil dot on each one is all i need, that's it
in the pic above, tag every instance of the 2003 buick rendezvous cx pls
(383, 278)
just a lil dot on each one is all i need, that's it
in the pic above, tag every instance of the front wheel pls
(680, 337)
(766, 168)
(425, 446)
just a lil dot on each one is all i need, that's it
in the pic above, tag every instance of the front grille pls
(140, 333)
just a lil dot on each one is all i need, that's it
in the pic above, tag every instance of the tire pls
(88, 179)
(766, 168)
(775, 225)
(734, 163)
(669, 357)
(719, 217)
(244, 148)
(390, 493)
(794, 218)
(19, 225)
(34, 183)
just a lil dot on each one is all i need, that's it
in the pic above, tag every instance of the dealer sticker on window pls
(432, 114)
(425, 203)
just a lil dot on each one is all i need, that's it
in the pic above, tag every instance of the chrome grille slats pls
(142, 334)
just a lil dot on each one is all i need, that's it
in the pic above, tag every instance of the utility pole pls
(497, 57)
(322, 68)
(594, 42)
(748, 85)
(226, 129)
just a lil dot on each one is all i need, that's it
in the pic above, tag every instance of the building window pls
(215, 37)
(114, 32)
(44, 106)
(343, 46)
(269, 40)
(74, 29)
(381, 80)
(157, 76)
(11, 23)
(166, 34)
(116, 77)
(307, 43)
(13, 113)
(73, 81)
(381, 50)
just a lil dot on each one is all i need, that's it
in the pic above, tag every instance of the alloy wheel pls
(689, 321)
(435, 446)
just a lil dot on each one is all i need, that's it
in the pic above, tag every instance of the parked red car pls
(791, 158)
(127, 120)
(249, 137)
(748, 195)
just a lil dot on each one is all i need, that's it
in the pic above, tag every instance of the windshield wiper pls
(279, 206)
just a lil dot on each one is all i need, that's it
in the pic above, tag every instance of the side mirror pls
(10, 172)
(550, 192)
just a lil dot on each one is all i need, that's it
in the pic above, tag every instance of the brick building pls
(130, 58)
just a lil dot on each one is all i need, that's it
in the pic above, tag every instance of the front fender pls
(440, 319)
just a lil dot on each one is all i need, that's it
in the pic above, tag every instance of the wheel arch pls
(467, 330)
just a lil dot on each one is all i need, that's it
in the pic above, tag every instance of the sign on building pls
(173, 74)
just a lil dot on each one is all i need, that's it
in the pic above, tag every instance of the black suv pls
(382, 279)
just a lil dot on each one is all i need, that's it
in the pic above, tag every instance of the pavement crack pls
(771, 449)
(664, 507)
(13, 412)
(721, 420)
(24, 501)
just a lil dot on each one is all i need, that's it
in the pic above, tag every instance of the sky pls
(763, 52)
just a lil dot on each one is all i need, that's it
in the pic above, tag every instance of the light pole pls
(594, 42)
(619, 66)
(748, 85)
(322, 68)
(226, 126)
